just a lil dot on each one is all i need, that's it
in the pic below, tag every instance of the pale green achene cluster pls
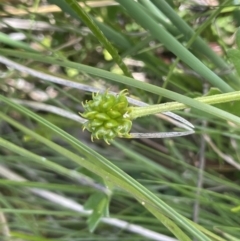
(107, 116)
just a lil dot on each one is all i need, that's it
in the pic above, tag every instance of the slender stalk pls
(199, 43)
(126, 80)
(147, 22)
(79, 11)
(65, 82)
(136, 112)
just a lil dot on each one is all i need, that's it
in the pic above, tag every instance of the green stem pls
(73, 4)
(136, 112)
(136, 11)
(199, 44)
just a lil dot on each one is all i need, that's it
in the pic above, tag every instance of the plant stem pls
(136, 112)
(188, 32)
(79, 11)
(136, 11)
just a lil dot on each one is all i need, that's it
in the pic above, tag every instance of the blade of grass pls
(128, 81)
(4, 38)
(73, 6)
(110, 172)
(48, 164)
(65, 82)
(76, 207)
(137, 12)
(190, 42)
(10, 146)
(199, 44)
(117, 38)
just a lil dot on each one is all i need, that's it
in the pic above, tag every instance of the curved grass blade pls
(128, 81)
(137, 12)
(104, 168)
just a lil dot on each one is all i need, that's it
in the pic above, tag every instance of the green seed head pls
(106, 115)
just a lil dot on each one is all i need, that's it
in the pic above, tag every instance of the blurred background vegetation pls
(56, 184)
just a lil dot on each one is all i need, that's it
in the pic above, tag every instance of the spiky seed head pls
(107, 116)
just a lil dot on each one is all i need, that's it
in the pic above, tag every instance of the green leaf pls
(98, 203)
(234, 57)
(126, 80)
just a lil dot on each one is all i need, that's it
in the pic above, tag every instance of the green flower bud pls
(106, 115)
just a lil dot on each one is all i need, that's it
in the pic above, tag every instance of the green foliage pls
(98, 203)
(234, 56)
(55, 183)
